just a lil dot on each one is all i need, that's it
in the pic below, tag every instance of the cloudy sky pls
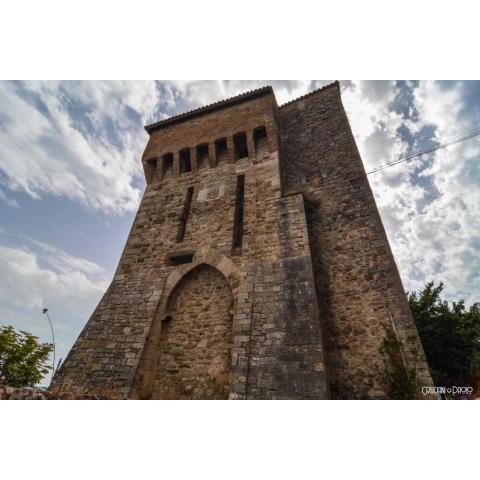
(71, 181)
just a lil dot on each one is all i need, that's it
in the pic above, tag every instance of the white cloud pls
(63, 262)
(194, 93)
(65, 281)
(47, 147)
(432, 221)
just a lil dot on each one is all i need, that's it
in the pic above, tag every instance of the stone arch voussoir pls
(208, 256)
(203, 256)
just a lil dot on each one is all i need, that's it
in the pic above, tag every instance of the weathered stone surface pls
(23, 393)
(289, 303)
(195, 341)
(357, 281)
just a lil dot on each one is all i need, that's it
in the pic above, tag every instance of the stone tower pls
(257, 266)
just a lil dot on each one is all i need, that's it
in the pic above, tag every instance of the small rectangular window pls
(185, 164)
(184, 217)
(179, 258)
(238, 216)
(202, 156)
(220, 150)
(151, 169)
(167, 165)
(260, 138)
(240, 145)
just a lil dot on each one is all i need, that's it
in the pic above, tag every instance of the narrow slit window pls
(260, 138)
(220, 150)
(238, 216)
(202, 156)
(152, 169)
(167, 165)
(179, 258)
(240, 145)
(185, 211)
(185, 163)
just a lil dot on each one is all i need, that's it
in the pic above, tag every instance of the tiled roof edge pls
(210, 108)
(336, 83)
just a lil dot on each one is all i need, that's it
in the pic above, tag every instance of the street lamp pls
(45, 312)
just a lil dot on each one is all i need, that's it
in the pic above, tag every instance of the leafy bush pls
(450, 336)
(23, 360)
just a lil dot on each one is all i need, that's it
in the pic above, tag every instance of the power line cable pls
(451, 141)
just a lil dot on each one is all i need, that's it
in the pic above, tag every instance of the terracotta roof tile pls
(210, 108)
(226, 103)
(333, 84)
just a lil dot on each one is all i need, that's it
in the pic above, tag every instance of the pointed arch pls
(177, 280)
(209, 256)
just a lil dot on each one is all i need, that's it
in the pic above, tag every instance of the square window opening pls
(202, 156)
(167, 165)
(151, 169)
(240, 145)
(185, 163)
(221, 150)
(260, 138)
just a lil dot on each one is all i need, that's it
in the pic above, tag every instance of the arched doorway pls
(195, 341)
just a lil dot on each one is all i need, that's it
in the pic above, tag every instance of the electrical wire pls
(451, 141)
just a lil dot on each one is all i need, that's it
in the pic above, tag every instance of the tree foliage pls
(450, 336)
(23, 360)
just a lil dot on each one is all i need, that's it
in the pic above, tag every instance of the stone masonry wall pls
(106, 357)
(312, 284)
(286, 354)
(38, 393)
(23, 393)
(358, 284)
(196, 339)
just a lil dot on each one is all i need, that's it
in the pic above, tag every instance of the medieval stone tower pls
(257, 266)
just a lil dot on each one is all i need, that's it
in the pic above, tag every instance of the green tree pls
(450, 336)
(23, 360)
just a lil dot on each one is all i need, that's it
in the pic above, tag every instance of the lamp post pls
(45, 312)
